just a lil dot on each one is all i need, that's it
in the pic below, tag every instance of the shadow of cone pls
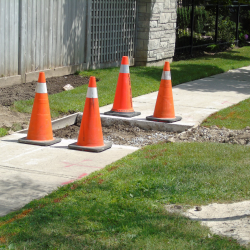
(40, 127)
(122, 105)
(164, 107)
(90, 136)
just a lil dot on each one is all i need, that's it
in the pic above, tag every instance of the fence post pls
(192, 28)
(237, 25)
(22, 34)
(216, 22)
(88, 33)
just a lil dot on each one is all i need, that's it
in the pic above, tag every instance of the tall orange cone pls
(164, 107)
(40, 127)
(90, 136)
(122, 105)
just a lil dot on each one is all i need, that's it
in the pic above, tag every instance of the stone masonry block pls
(143, 24)
(164, 45)
(159, 56)
(153, 44)
(142, 45)
(141, 54)
(155, 17)
(165, 17)
(151, 54)
(157, 34)
(174, 16)
(156, 8)
(173, 4)
(153, 24)
(142, 35)
(149, 8)
(142, 8)
(144, 16)
(166, 4)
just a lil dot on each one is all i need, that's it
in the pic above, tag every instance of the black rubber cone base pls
(123, 114)
(106, 146)
(168, 120)
(39, 143)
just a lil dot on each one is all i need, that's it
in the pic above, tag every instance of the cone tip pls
(92, 82)
(166, 66)
(125, 60)
(41, 77)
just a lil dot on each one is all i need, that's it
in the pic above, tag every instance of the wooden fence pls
(50, 34)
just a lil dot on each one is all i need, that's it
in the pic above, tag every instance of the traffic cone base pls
(40, 127)
(122, 114)
(39, 143)
(90, 137)
(123, 105)
(106, 146)
(169, 120)
(164, 107)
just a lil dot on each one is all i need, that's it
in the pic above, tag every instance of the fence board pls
(9, 37)
(38, 35)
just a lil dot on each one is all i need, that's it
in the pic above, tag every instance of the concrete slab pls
(29, 172)
(193, 101)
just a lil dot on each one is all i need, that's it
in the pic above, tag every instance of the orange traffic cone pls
(122, 105)
(164, 107)
(40, 127)
(90, 136)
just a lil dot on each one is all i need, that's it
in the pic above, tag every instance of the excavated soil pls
(127, 135)
(25, 91)
(120, 134)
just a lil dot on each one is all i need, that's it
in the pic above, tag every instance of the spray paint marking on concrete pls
(75, 164)
(78, 178)
(228, 102)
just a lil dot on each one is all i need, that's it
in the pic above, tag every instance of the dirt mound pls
(9, 95)
(120, 134)
(134, 136)
(25, 91)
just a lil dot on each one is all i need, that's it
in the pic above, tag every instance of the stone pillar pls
(156, 24)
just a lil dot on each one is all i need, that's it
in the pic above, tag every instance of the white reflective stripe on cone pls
(92, 93)
(124, 68)
(41, 88)
(166, 75)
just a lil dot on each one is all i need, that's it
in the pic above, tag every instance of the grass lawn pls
(143, 80)
(233, 117)
(122, 206)
(3, 132)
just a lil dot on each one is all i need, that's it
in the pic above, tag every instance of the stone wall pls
(156, 25)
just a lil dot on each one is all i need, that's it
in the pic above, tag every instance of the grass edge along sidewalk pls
(122, 206)
(144, 80)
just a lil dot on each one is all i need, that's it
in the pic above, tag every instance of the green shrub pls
(226, 30)
(183, 17)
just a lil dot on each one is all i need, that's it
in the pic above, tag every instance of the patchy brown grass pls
(57, 200)
(17, 217)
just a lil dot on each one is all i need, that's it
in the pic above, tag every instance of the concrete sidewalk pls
(29, 172)
(194, 101)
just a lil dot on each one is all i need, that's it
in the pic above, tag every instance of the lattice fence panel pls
(112, 30)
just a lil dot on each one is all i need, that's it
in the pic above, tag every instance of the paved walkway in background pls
(29, 172)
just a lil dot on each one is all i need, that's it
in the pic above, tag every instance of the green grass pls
(143, 80)
(15, 127)
(233, 117)
(122, 206)
(3, 131)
